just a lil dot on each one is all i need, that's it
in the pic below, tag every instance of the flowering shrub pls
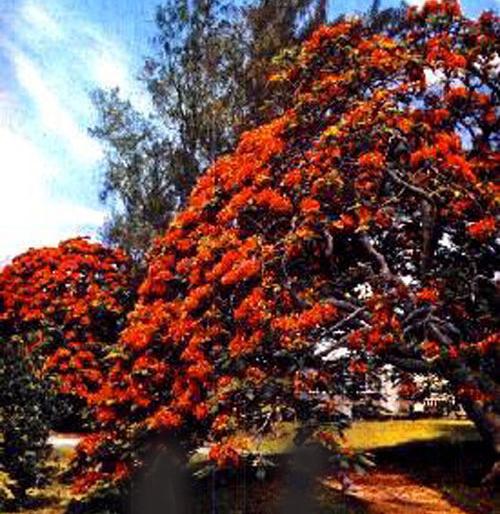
(363, 218)
(69, 303)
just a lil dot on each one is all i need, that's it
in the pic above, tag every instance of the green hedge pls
(26, 403)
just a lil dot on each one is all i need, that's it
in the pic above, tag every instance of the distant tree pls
(275, 28)
(389, 19)
(207, 83)
(146, 176)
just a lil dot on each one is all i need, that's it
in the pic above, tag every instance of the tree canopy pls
(68, 303)
(362, 219)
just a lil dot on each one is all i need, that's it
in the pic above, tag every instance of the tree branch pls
(378, 257)
(347, 319)
(416, 313)
(428, 216)
(428, 222)
(410, 365)
(442, 338)
(412, 187)
(342, 304)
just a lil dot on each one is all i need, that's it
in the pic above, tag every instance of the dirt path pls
(395, 493)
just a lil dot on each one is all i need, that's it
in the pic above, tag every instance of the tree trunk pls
(487, 423)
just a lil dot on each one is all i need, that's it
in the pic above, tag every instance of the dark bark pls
(487, 422)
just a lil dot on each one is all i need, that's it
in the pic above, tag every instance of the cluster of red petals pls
(224, 455)
(68, 301)
(482, 229)
(431, 349)
(442, 7)
(165, 418)
(428, 294)
(307, 320)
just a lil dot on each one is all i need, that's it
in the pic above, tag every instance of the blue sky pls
(52, 54)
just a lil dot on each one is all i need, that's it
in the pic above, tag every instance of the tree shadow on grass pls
(454, 464)
(450, 463)
(242, 492)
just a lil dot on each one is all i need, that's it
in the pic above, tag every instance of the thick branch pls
(347, 319)
(380, 259)
(342, 304)
(416, 313)
(287, 282)
(410, 365)
(377, 256)
(411, 187)
(428, 221)
(441, 337)
(428, 216)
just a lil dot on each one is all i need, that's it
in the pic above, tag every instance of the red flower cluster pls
(482, 229)
(224, 455)
(442, 7)
(69, 303)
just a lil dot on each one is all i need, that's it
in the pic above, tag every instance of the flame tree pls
(68, 303)
(363, 218)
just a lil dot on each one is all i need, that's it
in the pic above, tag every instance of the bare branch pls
(411, 365)
(428, 222)
(428, 216)
(329, 244)
(442, 338)
(385, 270)
(411, 187)
(347, 319)
(378, 257)
(287, 282)
(342, 304)
(448, 325)
(416, 313)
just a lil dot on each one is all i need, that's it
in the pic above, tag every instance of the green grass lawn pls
(371, 435)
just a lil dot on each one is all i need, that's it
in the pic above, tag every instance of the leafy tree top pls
(70, 301)
(206, 83)
(363, 218)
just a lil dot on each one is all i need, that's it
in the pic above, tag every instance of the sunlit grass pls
(370, 435)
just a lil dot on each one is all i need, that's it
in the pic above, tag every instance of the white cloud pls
(109, 71)
(41, 21)
(110, 67)
(46, 154)
(52, 114)
(48, 161)
(30, 213)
